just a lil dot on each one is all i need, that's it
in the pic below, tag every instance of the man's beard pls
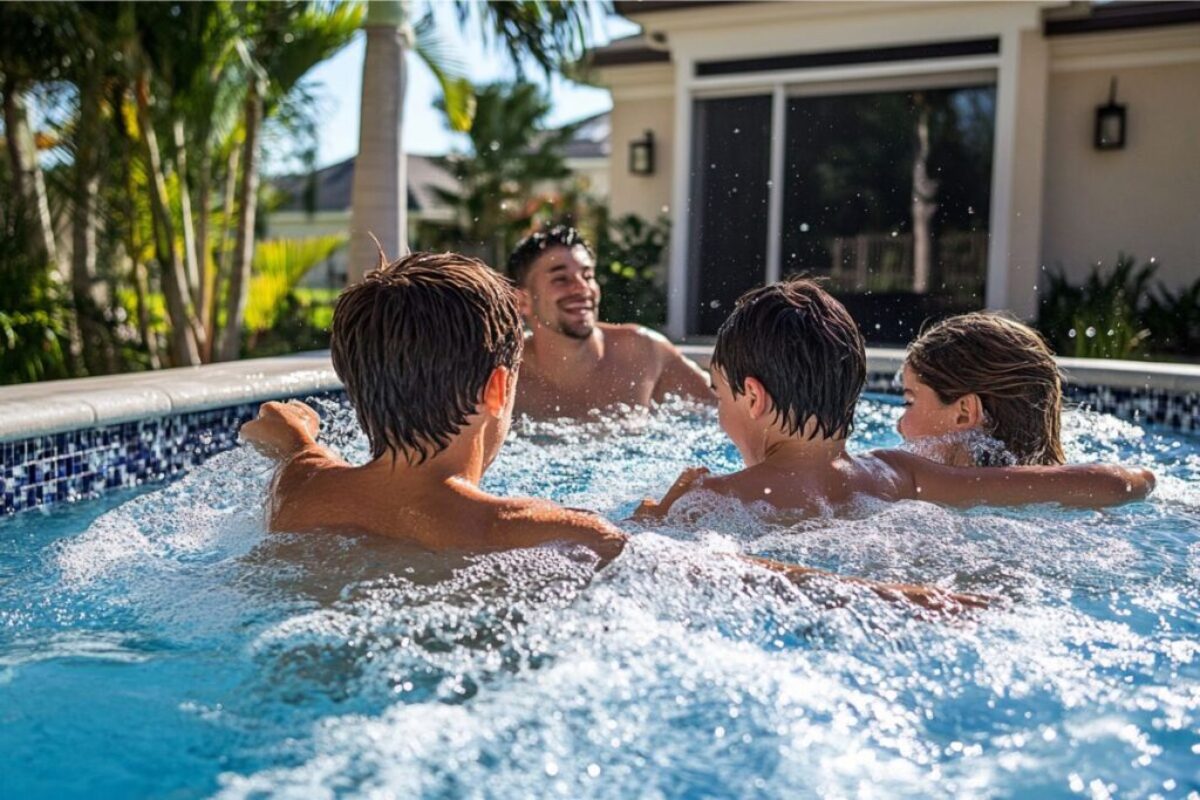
(576, 330)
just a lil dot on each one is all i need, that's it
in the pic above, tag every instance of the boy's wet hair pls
(1010, 367)
(528, 249)
(415, 342)
(804, 348)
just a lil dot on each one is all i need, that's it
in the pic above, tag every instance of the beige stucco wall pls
(1143, 200)
(645, 195)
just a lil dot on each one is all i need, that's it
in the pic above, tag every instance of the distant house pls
(925, 157)
(587, 153)
(311, 205)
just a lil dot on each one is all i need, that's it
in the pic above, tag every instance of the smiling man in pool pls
(573, 362)
(428, 348)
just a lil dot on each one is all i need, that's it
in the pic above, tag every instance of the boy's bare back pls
(315, 491)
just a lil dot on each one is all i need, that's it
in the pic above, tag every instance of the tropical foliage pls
(1115, 314)
(630, 258)
(279, 265)
(511, 151)
(548, 33)
(133, 135)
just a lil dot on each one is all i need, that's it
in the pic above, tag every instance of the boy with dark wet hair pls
(428, 348)
(788, 368)
(573, 362)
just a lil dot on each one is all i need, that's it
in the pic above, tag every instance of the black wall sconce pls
(641, 155)
(1110, 122)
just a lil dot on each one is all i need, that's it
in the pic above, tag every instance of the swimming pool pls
(158, 643)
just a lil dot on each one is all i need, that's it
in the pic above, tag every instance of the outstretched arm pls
(1083, 486)
(690, 478)
(678, 374)
(930, 598)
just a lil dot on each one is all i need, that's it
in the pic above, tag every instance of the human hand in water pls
(689, 479)
(932, 598)
(281, 429)
(928, 597)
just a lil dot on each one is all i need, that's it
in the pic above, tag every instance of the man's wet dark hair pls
(415, 342)
(528, 249)
(804, 348)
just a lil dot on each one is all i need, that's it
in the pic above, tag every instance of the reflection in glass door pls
(887, 196)
(727, 248)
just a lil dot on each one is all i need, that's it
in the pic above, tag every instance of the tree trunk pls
(243, 250)
(203, 295)
(223, 252)
(187, 222)
(88, 290)
(141, 287)
(28, 181)
(185, 350)
(379, 197)
(924, 192)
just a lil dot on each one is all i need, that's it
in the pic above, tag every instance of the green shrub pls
(1174, 321)
(629, 260)
(1102, 317)
(34, 323)
(279, 265)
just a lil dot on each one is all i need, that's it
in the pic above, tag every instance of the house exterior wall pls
(1055, 198)
(1143, 200)
(645, 195)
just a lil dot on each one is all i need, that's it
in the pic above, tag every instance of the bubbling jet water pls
(677, 670)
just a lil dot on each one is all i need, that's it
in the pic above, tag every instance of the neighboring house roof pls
(334, 184)
(592, 139)
(1085, 18)
(634, 49)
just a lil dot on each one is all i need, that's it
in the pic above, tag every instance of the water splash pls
(349, 666)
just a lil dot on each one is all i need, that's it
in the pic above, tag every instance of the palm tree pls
(282, 42)
(511, 151)
(547, 32)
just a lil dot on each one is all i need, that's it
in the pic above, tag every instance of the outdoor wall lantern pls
(1110, 122)
(641, 155)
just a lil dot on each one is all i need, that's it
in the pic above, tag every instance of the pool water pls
(160, 644)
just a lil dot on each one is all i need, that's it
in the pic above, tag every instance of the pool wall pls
(62, 441)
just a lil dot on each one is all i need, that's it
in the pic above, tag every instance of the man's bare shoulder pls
(527, 522)
(647, 343)
(632, 332)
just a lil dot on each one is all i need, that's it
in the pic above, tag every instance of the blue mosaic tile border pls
(66, 467)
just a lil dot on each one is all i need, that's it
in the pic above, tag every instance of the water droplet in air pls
(1071, 333)
(714, 304)
(1090, 332)
(804, 227)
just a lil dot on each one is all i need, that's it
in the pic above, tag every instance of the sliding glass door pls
(885, 195)
(731, 161)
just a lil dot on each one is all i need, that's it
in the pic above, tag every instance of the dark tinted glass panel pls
(728, 241)
(887, 195)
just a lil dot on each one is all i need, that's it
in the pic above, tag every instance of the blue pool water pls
(162, 645)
